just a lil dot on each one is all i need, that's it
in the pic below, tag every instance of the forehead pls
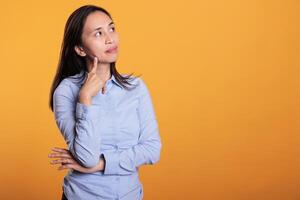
(96, 19)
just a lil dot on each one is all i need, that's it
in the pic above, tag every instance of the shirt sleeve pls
(147, 151)
(78, 124)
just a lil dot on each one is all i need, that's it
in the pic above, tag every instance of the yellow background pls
(223, 76)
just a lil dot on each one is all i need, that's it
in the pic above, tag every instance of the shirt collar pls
(113, 78)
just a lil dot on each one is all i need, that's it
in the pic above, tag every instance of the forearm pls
(127, 161)
(80, 134)
(79, 124)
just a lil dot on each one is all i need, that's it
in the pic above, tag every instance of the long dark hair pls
(69, 62)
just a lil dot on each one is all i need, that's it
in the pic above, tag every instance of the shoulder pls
(141, 86)
(73, 82)
(66, 88)
(137, 82)
(63, 86)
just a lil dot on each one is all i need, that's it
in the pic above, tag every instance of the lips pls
(112, 50)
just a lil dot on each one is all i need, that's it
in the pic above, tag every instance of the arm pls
(78, 124)
(147, 151)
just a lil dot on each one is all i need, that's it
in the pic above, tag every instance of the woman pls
(107, 119)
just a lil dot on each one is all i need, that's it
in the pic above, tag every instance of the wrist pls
(101, 164)
(84, 99)
(98, 167)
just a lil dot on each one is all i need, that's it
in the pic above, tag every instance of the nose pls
(108, 39)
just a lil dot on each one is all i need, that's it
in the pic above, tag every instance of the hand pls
(67, 161)
(93, 84)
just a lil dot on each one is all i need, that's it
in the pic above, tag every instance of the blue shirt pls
(119, 126)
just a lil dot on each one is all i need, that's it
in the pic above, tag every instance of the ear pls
(79, 50)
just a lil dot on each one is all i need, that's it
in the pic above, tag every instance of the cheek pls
(116, 39)
(97, 48)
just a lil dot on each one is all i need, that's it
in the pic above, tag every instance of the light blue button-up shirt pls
(119, 126)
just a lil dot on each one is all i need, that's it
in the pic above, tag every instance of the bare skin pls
(96, 42)
(94, 83)
(67, 161)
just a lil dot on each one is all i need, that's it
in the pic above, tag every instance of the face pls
(99, 38)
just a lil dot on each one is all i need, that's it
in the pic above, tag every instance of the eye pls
(98, 34)
(113, 28)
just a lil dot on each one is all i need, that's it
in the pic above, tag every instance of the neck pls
(103, 70)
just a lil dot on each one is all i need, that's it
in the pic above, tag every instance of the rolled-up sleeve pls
(78, 124)
(148, 149)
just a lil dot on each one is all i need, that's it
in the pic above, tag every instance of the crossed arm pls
(78, 124)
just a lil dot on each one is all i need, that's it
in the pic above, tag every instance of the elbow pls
(155, 159)
(156, 154)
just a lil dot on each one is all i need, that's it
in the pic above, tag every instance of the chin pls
(112, 59)
(109, 61)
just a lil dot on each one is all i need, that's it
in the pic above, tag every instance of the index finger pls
(57, 149)
(95, 65)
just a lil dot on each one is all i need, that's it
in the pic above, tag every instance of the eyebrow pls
(101, 27)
